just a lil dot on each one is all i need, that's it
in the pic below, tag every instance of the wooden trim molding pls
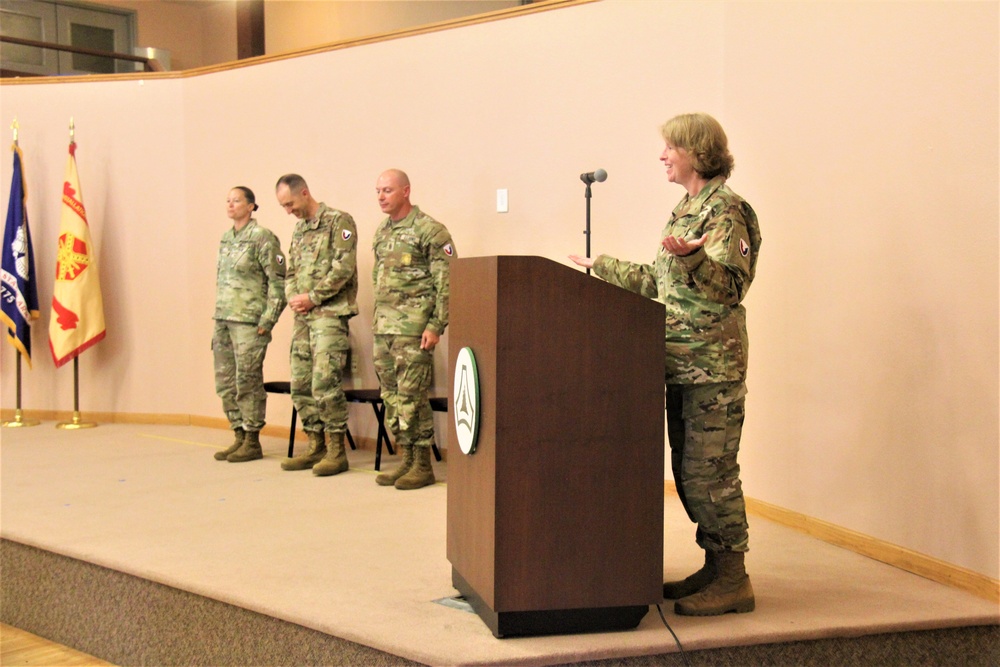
(7, 414)
(488, 17)
(866, 545)
(275, 430)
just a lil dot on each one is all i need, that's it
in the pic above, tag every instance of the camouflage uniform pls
(706, 352)
(322, 262)
(249, 294)
(410, 275)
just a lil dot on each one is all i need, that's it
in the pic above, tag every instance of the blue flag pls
(18, 287)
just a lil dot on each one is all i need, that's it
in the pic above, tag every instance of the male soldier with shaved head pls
(321, 285)
(412, 256)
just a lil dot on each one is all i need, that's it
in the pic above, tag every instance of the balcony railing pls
(149, 64)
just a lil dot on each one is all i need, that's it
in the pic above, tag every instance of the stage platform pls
(131, 543)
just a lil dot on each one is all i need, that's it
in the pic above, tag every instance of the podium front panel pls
(561, 505)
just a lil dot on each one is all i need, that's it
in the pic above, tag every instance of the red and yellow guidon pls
(72, 257)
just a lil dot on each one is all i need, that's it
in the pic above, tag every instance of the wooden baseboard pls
(7, 414)
(866, 545)
(171, 420)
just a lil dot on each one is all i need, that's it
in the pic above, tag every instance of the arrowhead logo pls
(466, 400)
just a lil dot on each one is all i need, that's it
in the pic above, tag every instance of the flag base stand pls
(20, 421)
(76, 423)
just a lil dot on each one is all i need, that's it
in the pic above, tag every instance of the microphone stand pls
(586, 231)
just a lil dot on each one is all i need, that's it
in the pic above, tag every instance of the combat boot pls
(675, 590)
(315, 453)
(389, 478)
(335, 461)
(221, 455)
(731, 590)
(250, 449)
(420, 473)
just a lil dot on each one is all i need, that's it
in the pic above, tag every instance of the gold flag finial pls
(72, 130)
(14, 127)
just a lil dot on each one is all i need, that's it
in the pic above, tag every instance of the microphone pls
(600, 176)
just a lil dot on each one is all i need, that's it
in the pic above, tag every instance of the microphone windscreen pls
(600, 175)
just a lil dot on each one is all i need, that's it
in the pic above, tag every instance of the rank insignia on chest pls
(346, 234)
(744, 248)
(406, 259)
(448, 250)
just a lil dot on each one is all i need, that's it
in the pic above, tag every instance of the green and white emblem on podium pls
(466, 407)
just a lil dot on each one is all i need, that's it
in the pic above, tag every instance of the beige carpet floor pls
(346, 557)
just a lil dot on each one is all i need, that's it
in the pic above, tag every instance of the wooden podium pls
(555, 520)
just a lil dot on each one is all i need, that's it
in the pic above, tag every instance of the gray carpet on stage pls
(132, 544)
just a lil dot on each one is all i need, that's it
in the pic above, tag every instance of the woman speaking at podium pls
(702, 270)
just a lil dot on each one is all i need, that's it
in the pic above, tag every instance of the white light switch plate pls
(502, 200)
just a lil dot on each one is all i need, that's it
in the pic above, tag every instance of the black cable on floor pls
(678, 641)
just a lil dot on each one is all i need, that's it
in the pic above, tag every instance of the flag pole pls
(19, 420)
(77, 421)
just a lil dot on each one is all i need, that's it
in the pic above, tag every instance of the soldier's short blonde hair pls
(705, 141)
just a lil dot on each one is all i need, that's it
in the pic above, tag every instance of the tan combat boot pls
(221, 455)
(335, 461)
(420, 473)
(315, 453)
(250, 449)
(675, 590)
(731, 590)
(389, 478)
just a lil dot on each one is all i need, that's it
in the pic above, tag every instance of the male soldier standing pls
(249, 297)
(412, 256)
(322, 288)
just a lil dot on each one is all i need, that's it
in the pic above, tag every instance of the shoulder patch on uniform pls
(346, 234)
(448, 250)
(280, 259)
(744, 248)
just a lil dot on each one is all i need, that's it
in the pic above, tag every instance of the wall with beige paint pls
(865, 136)
(299, 24)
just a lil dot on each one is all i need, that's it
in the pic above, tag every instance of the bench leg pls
(350, 440)
(383, 434)
(291, 434)
(382, 430)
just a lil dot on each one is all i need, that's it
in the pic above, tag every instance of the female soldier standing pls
(249, 297)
